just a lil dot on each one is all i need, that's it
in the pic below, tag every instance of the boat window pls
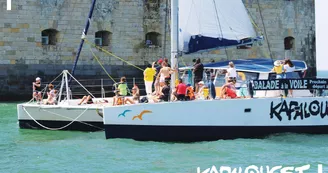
(49, 36)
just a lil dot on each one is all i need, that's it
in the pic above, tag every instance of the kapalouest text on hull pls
(263, 169)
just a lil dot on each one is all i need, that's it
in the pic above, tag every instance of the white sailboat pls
(205, 120)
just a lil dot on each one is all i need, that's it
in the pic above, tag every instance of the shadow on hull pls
(203, 133)
(75, 126)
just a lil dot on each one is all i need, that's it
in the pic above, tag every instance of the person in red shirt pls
(181, 90)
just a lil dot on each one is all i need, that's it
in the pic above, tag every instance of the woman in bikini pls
(135, 96)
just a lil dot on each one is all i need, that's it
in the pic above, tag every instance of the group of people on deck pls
(284, 69)
(37, 93)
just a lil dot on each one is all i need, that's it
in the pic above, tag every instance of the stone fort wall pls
(289, 26)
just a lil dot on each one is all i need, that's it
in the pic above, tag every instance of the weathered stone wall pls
(23, 57)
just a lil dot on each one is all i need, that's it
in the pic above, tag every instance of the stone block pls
(30, 39)
(10, 52)
(14, 30)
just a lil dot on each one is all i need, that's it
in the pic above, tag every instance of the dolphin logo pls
(140, 115)
(123, 114)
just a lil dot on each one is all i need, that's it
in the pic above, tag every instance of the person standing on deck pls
(198, 73)
(156, 81)
(37, 89)
(231, 72)
(164, 74)
(289, 69)
(123, 87)
(149, 75)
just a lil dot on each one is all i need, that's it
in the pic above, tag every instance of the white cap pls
(201, 82)
(38, 78)
(277, 63)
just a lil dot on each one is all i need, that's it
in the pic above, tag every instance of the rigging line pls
(253, 22)
(266, 36)
(80, 84)
(217, 16)
(102, 65)
(86, 41)
(165, 27)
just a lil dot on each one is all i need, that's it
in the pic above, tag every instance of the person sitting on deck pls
(37, 89)
(190, 95)
(200, 93)
(51, 100)
(86, 100)
(164, 95)
(181, 90)
(136, 96)
(118, 99)
(229, 90)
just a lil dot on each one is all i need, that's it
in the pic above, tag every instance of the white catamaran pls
(204, 120)
(217, 23)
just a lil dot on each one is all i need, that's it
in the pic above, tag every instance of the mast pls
(84, 33)
(174, 38)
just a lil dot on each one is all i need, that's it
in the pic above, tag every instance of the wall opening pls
(153, 39)
(49, 36)
(289, 43)
(103, 38)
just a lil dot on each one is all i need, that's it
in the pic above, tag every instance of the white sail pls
(226, 19)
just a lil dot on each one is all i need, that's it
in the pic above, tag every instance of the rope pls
(217, 16)
(48, 128)
(102, 66)
(86, 41)
(72, 119)
(258, 3)
(80, 84)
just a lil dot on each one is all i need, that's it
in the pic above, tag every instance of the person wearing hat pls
(37, 89)
(200, 93)
(278, 69)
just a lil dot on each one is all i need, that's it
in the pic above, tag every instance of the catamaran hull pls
(203, 133)
(76, 126)
(218, 119)
(78, 118)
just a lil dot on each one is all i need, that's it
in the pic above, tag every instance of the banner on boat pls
(295, 84)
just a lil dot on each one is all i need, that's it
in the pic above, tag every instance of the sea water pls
(43, 151)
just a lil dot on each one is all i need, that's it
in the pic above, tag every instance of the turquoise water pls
(44, 151)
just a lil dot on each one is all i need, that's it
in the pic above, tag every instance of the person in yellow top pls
(278, 69)
(149, 74)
